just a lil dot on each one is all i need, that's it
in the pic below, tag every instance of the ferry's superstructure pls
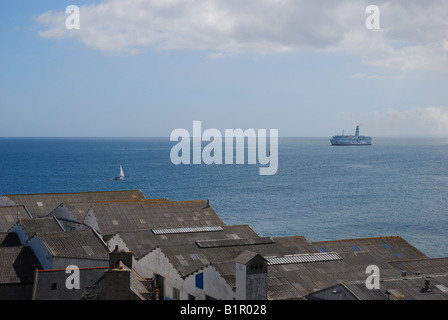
(355, 140)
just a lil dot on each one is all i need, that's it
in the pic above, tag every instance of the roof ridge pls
(357, 239)
(85, 268)
(78, 192)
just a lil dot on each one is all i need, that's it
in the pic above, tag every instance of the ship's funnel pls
(357, 131)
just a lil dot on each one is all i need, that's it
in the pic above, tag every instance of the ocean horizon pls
(397, 186)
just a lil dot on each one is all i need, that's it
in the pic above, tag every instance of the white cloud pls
(414, 33)
(377, 76)
(423, 121)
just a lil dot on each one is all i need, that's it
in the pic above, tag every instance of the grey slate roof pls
(9, 239)
(404, 288)
(40, 225)
(390, 248)
(17, 264)
(10, 214)
(115, 217)
(189, 252)
(422, 266)
(75, 244)
(44, 203)
(143, 241)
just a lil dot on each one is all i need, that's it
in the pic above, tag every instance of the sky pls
(143, 68)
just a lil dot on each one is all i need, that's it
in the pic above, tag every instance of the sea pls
(397, 186)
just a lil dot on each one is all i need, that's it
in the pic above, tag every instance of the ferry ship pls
(355, 140)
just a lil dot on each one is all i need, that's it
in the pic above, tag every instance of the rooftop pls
(40, 225)
(17, 265)
(75, 244)
(123, 216)
(10, 215)
(390, 248)
(405, 288)
(44, 203)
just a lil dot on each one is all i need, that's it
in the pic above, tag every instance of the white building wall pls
(215, 286)
(63, 263)
(116, 240)
(66, 218)
(155, 262)
(63, 213)
(90, 220)
(240, 279)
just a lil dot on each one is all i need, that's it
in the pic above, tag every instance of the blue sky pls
(143, 68)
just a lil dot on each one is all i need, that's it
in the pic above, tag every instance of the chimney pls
(126, 257)
(426, 287)
(117, 284)
(251, 277)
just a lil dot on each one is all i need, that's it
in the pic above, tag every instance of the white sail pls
(121, 173)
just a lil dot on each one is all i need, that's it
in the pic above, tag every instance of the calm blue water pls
(395, 187)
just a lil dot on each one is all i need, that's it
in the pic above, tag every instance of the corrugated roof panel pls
(304, 258)
(233, 242)
(442, 288)
(187, 230)
(397, 294)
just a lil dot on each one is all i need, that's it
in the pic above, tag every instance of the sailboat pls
(121, 176)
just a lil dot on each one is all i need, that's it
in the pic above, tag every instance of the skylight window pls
(187, 230)
(303, 258)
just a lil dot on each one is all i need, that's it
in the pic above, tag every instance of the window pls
(200, 280)
(399, 255)
(191, 297)
(194, 256)
(385, 245)
(322, 250)
(356, 248)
